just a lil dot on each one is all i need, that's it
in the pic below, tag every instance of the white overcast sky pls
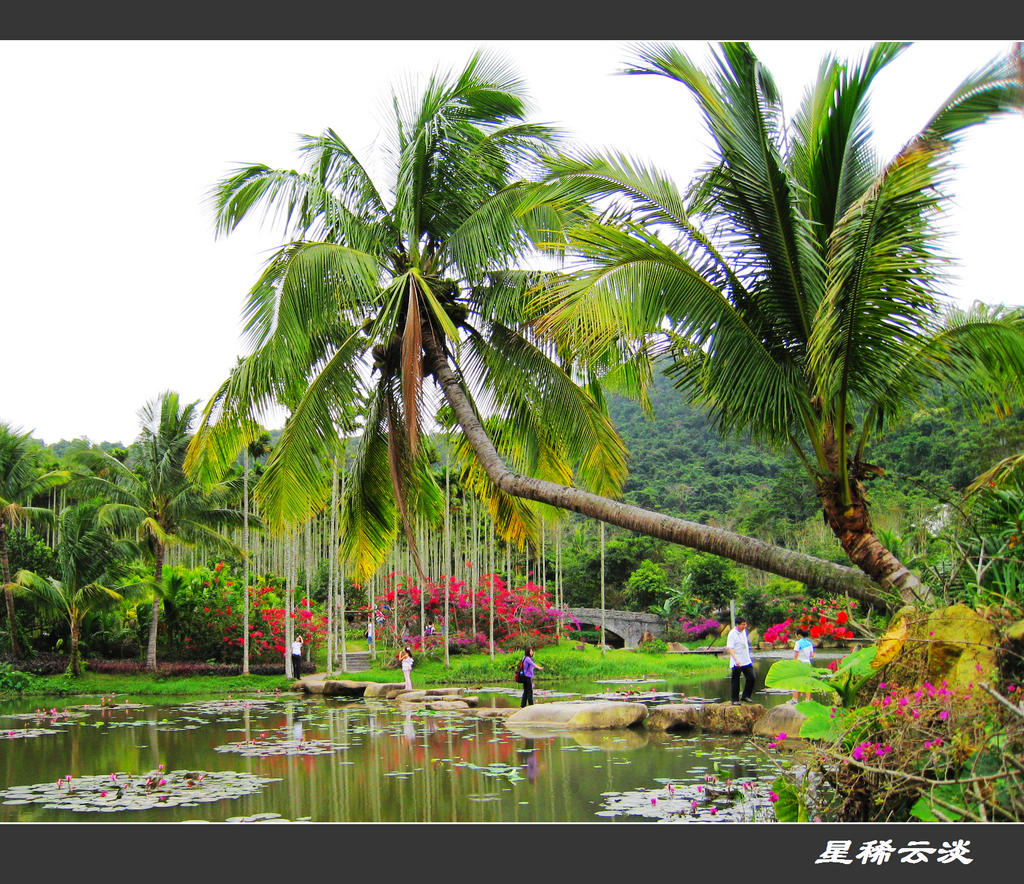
(116, 288)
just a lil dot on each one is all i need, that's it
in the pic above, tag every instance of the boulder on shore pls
(587, 715)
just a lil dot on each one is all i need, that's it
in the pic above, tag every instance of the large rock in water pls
(343, 688)
(381, 689)
(495, 711)
(955, 645)
(722, 718)
(583, 714)
(673, 716)
(783, 719)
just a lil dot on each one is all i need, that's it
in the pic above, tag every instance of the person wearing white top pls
(297, 657)
(405, 657)
(738, 646)
(803, 651)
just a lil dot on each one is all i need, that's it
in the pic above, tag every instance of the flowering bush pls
(699, 627)
(922, 751)
(204, 613)
(822, 619)
(523, 616)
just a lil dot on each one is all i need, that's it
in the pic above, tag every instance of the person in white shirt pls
(405, 657)
(297, 657)
(803, 651)
(738, 646)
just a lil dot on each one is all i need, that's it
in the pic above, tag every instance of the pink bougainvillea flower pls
(773, 797)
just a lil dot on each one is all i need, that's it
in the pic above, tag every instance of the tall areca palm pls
(365, 277)
(88, 557)
(420, 285)
(796, 284)
(155, 500)
(20, 481)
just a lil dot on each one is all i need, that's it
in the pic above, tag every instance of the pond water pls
(288, 757)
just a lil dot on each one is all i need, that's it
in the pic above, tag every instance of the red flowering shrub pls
(522, 614)
(822, 619)
(203, 619)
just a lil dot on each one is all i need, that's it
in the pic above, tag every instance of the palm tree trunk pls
(245, 556)
(5, 568)
(447, 553)
(154, 622)
(852, 527)
(746, 550)
(75, 665)
(602, 591)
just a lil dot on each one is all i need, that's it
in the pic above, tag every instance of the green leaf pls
(790, 808)
(794, 675)
(823, 722)
(922, 810)
(859, 662)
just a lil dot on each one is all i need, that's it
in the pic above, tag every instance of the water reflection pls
(367, 760)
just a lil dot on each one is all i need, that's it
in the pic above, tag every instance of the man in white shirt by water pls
(738, 646)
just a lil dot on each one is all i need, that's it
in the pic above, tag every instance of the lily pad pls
(26, 733)
(122, 791)
(267, 748)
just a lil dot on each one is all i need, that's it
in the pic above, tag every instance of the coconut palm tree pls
(20, 481)
(361, 279)
(88, 557)
(154, 500)
(796, 285)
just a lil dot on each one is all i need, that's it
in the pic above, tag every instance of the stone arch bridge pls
(628, 625)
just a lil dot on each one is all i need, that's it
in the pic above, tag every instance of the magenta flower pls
(773, 797)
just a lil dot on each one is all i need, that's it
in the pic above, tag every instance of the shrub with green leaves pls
(13, 680)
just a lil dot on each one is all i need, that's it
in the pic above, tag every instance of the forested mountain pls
(679, 464)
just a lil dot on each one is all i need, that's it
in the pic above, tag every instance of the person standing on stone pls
(297, 656)
(803, 650)
(740, 661)
(528, 667)
(405, 658)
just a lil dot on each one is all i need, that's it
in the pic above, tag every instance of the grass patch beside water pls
(561, 662)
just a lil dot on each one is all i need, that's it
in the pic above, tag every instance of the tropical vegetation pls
(701, 369)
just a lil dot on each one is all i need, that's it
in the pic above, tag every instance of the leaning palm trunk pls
(737, 547)
(154, 622)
